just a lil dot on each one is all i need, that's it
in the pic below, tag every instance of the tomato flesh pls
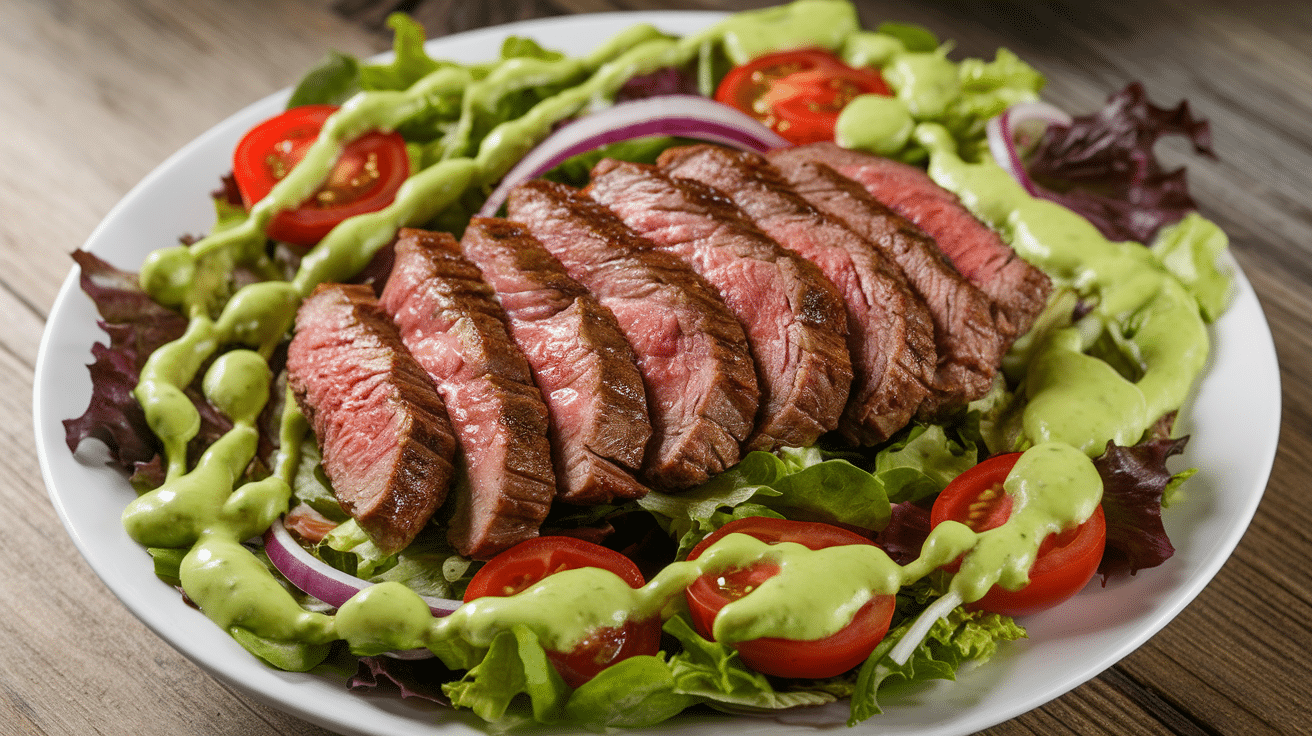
(365, 179)
(1066, 561)
(530, 561)
(798, 94)
(818, 658)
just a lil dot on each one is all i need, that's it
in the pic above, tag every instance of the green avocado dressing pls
(1073, 397)
(925, 82)
(814, 594)
(1053, 487)
(209, 512)
(806, 23)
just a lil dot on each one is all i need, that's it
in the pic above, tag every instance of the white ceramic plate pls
(1067, 645)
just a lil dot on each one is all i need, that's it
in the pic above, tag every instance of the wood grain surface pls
(93, 95)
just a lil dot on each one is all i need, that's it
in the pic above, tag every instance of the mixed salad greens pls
(463, 127)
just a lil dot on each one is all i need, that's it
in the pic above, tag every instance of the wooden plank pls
(77, 138)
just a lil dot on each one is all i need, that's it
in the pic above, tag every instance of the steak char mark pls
(382, 427)
(794, 318)
(580, 360)
(890, 333)
(450, 320)
(1018, 290)
(967, 341)
(701, 387)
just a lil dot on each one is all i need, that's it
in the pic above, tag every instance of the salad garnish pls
(189, 394)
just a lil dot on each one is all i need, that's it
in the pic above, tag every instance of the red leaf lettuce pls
(136, 326)
(1134, 480)
(1103, 166)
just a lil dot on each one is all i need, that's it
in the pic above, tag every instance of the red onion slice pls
(321, 580)
(1025, 121)
(689, 116)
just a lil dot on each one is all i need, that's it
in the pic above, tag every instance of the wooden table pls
(95, 94)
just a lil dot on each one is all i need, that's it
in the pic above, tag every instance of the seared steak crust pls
(1018, 290)
(387, 445)
(580, 360)
(452, 323)
(701, 386)
(967, 341)
(794, 318)
(890, 333)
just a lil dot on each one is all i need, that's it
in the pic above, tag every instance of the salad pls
(214, 280)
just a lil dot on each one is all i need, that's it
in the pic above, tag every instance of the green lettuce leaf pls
(634, 693)
(289, 656)
(913, 37)
(803, 484)
(168, 563)
(965, 94)
(349, 549)
(522, 47)
(411, 62)
(311, 486)
(340, 76)
(987, 88)
(332, 82)
(429, 565)
(515, 664)
(922, 462)
(956, 638)
(713, 673)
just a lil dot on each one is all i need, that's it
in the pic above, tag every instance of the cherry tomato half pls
(367, 175)
(798, 93)
(818, 658)
(1066, 561)
(532, 560)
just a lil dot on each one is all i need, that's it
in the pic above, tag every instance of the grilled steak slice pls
(701, 385)
(967, 341)
(452, 323)
(890, 334)
(580, 360)
(387, 445)
(794, 318)
(1018, 290)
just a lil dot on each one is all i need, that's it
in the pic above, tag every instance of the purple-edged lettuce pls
(136, 326)
(1103, 165)
(1135, 480)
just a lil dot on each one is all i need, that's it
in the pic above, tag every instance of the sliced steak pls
(580, 360)
(967, 341)
(794, 318)
(452, 323)
(1018, 290)
(387, 445)
(890, 334)
(695, 363)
